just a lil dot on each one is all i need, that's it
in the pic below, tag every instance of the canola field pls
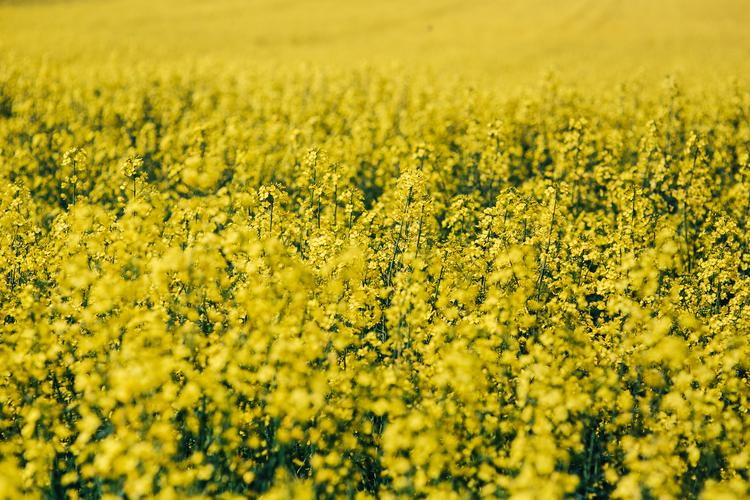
(422, 250)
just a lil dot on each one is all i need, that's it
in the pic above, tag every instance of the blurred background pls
(497, 39)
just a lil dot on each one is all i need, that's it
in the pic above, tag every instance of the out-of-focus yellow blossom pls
(298, 284)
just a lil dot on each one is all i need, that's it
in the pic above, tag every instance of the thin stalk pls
(632, 219)
(685, 214)
(549, 243)
(419, 231)
(270, 223)
(403, 224)
(351, 212)
(335, 196)
(318, 211)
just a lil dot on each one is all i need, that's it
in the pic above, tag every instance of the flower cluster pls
(356, 285)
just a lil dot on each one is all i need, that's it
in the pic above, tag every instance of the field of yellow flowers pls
(218, 279)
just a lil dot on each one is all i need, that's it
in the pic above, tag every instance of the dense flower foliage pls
(330, 283)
